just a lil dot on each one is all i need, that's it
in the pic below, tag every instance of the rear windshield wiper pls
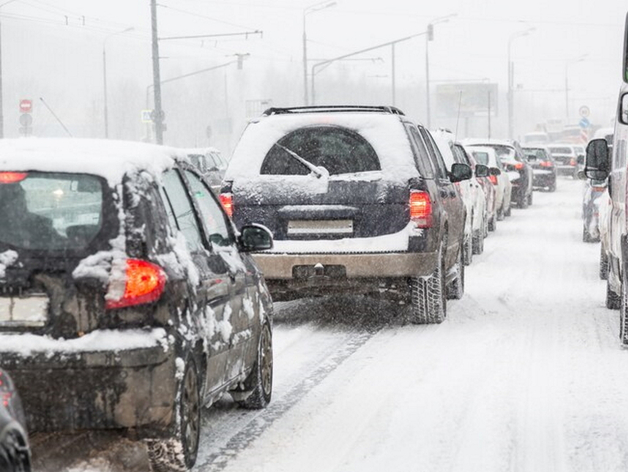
(316, 170)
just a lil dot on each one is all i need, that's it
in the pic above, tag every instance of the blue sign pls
(584, 122)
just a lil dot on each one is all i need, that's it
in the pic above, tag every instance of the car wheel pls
(455, 290)
(468, 249)
(260, 380)
(14, 451)
(603, 264)
(623, 318)
(531, 198)
(179, 452)
(508, 211)
(522, 202)
(492, 224)
(552, 187)
(586, 236)
(478, 243)
(501, 214)
(613, 301)
(429, 303)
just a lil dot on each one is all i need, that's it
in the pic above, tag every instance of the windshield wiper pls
(316, 170)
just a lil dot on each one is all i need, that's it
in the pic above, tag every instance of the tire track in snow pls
(219, 460)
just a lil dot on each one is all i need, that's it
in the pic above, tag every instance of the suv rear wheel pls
(613, 301)
(429, 304)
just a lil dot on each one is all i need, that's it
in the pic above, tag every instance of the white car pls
(569, 158)
(499, 177)
(470, 191)
(210, 162)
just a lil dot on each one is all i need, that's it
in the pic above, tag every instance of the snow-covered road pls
(526, 373)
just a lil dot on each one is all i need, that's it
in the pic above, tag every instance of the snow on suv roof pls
(105, 158)
(384, 131)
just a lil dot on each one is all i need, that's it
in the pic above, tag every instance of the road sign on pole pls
(584, 122)
(26, 105)
(584, 111)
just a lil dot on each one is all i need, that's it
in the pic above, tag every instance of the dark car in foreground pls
(358, 199)
(127, 299)
(15, 455)
(543, 166)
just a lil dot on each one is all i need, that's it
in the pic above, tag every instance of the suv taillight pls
(12, 177)
(227, 203)
(144, 283)
(420, 208)
(493, 179)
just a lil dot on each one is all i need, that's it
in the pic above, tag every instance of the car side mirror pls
(623, 113)
(598, 162)
(255, 237)
(460, 172)
(495, 171)
(481, 170)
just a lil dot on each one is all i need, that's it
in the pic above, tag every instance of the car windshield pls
(481, 157)
(560, 150)
(339, 150)
(50, 211)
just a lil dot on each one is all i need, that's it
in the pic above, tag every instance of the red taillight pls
(144, 283)
(572, 162)
(519, 165)
(227, 203)
(6, 398)
(598, 189)
(12, 177)
(493, 179)
(546, 164)
(420, 209)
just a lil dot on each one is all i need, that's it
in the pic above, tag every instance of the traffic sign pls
(26, 119)
(154, 115)
(146, 116)
(26, 105)
(584, 111)
(584, 122)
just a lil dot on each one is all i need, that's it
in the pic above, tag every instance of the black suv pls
(127, 299)
(358, 200)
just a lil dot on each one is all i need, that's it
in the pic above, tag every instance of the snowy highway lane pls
(526, 373)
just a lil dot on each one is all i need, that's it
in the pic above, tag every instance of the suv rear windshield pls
(560, 150)
(339, 150)
(50, 211)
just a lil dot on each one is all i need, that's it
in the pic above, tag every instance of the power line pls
(198, 15)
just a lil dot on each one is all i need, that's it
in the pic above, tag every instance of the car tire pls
(613, 301)
(522, 202)
(623, 316)
(478, 243)
(604, 264)
(455, 290)
(552, 187)
(179, 452)
(501, 214)
(468, 249)
(531, 198)
(586, 236)
(260, 379)
(508, 211)
(429, 303)
(492, 224)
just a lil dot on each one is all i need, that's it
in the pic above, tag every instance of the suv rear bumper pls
(91, 389)
(363, 265)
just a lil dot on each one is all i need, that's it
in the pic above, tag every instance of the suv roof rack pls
(334, 108)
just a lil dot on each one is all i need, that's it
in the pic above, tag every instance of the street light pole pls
(580, 59)
(307, 11)
(1, 95)
(510, 95)
(158, 114)
(104, 77)
(430, 37)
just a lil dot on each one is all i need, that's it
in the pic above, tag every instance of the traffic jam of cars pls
(157, 288)
(139, 282)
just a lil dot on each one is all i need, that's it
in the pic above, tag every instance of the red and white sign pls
(26, 105)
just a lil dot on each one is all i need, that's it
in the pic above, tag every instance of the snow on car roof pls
(487, 142)
(106, 158)
(384, 132)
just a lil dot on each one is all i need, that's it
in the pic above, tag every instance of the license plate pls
(31, 311)
(303, 227)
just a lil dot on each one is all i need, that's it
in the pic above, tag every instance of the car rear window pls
(339, 150)
(55, 211)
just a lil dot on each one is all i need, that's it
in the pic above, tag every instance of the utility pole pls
(1, 101)
(158, 113)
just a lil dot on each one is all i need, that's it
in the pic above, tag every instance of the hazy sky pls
(54, 47)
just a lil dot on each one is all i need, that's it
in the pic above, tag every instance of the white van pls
(601, 163)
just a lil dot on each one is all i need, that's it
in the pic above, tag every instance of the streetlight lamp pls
(511, 105)
(104, 75)
(430, 37)
(580, 59)
(307, 11)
